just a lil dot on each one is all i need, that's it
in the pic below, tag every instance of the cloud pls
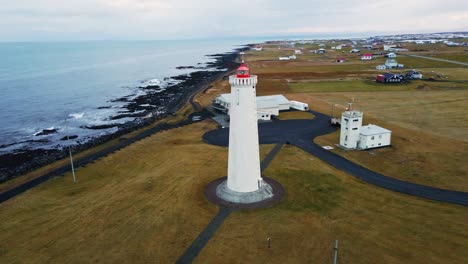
(178, 19)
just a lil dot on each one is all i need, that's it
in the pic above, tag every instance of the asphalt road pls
(301, 133)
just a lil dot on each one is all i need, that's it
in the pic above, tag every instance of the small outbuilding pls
(321, 51)
(340, 59)
(381, 67)
(372, 136)
(414, 75)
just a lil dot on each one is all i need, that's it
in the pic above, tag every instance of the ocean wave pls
(77, 115)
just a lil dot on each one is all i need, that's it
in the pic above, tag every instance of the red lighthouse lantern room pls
(243, 71)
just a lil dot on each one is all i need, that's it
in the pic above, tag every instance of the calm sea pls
(62, 85)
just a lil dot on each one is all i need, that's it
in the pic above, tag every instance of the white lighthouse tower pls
(244, 158)
(244, 182)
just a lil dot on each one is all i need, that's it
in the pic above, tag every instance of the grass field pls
(152, 210)
(323, 204)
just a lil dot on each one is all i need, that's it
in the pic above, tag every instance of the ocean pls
(50, 90)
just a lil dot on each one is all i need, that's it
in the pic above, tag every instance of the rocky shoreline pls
(155, 104)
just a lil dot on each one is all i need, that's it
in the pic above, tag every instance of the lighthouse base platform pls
(269, 194)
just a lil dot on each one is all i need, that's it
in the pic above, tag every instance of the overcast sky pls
(181, 19)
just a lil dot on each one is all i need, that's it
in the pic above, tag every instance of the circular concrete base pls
(270, 194)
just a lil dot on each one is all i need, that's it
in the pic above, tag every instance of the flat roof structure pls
(371, 129)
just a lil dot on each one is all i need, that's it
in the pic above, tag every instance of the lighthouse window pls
(355, 128)
(355, 120)
(372, 138)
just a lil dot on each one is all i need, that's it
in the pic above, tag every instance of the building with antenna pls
(355, 136)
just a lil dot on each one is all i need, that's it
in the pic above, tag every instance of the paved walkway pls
(301, 133)
(200, 242)
(437, 59)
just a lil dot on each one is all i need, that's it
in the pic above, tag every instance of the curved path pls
(301, 133)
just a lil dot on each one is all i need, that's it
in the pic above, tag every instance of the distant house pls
(340, 59)
(322, 45)
(367, 56)
(292, 57)
(313, 51)
(321, 51)
(283, 58)
(392, 63)
(391, 55)
(413, 74)
(297, 51)
(257, 48)
(381, 67)
(389, 47)
(354, 51)
(389, 78)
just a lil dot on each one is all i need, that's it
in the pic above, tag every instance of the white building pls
(351, 122)
(380, 67)
(244, 159)
(355, 136)
(372, 136)
(297, 51)
(267, 106)
(283, 58)
(391, 55)
(392, 63)
(298, 105)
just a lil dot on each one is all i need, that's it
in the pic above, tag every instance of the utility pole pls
(335, 257)
(69, 150)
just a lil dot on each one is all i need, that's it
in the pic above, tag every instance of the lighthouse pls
(244, 158)
(244, 184)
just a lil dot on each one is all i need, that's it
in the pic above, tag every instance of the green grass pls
(412, 62)
(460, 57)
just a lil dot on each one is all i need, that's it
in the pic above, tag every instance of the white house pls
(354, 51)
(389, 47)
(355, 136)
(338, 47)
(257, 48)
(392, 63)
(381, 67)
(297, 51)
(367, 56)
(372, 136)
(283, 58)
(322, 50)
(391, 55)
(292, 57)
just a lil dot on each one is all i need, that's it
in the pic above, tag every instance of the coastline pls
(168, 101)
